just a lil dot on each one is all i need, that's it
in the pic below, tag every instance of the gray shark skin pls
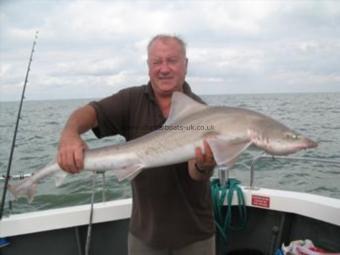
(228, 130)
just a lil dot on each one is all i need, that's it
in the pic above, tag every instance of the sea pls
(316, 115)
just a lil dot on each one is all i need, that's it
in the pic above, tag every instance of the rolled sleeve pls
(112, 113)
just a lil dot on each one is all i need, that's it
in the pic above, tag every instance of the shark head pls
(277, 139)
(288, 143)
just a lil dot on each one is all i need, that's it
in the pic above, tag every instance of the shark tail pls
(23, 189)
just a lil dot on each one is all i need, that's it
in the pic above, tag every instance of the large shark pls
(228, 130)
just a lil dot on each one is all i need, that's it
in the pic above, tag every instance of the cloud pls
(233, 46)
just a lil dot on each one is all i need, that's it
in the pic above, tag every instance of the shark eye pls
(292, 136)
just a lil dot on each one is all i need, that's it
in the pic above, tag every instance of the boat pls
(274, 217)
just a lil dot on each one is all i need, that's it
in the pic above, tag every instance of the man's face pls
(167, 67)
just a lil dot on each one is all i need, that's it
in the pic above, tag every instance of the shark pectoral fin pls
(225, 152)
(129, 172)
(59, 177)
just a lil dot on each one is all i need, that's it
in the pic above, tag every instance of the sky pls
(92, 49)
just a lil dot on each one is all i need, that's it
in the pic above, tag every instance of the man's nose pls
(164, 68)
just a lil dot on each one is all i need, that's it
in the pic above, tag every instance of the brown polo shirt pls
(169, 208)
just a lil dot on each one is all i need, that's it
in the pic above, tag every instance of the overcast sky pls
(91, 49)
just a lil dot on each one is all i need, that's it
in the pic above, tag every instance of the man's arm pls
(71, 148)
(201, 167)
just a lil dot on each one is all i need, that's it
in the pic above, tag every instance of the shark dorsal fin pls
(181, 106)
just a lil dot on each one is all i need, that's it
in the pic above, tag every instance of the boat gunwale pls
(322, 208)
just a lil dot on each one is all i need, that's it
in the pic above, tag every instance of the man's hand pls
(70, 155)
(202, 166)
(71, 149)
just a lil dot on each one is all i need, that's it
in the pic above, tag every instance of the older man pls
(172, 209)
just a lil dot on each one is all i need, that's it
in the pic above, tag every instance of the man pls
(172, 209)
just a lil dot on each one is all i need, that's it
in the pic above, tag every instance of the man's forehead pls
(165, 43)
(169, 47)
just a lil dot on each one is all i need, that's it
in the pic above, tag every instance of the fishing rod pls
(7, 176)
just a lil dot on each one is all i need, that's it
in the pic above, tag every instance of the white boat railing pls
(223, 171)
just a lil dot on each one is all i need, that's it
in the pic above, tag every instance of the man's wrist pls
(202, 170)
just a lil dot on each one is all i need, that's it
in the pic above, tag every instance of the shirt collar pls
(151, 95)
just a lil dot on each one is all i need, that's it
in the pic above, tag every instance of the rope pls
(103, 186)
(89, 228)
(223, 216)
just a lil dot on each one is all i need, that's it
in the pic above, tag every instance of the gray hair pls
(165, 38)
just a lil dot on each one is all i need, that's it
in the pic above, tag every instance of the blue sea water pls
(315, 115)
